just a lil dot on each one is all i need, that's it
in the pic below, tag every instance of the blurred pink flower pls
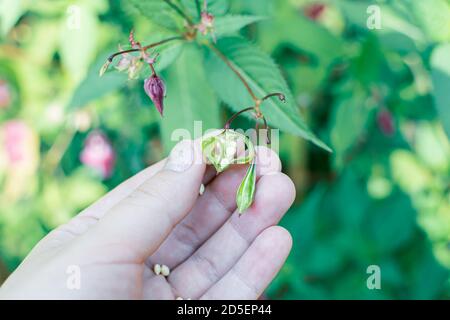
(5, 94)
(386, 122)
(314, 10)
(98, 154)
(19, 157)
(16, 135)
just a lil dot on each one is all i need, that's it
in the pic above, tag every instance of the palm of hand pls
(211, 251)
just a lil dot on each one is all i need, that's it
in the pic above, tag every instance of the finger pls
(109, 200)
(90, 216)
(274, 195)
(141, 221)
(255, 269)
(211, 210)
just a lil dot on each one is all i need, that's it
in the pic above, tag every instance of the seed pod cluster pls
(222, 150)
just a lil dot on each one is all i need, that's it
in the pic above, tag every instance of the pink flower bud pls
(5, 94)
(156, 90)
(386, 122)
(314, 10)
(98, 154)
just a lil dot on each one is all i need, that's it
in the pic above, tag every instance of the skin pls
(158, 216)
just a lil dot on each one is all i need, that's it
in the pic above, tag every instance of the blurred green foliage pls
(379, 98)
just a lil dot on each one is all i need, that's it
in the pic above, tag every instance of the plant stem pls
(234, 116)
(152, 45)
(228, 63)
(279, 95)
(162, 42)
(179, 11)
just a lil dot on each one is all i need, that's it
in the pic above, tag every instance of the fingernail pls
(181, 157)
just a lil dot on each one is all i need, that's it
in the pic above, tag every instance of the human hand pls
(158, 217)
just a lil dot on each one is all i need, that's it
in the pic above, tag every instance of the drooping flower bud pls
(98, 154)
(156, 90)
(104, 68)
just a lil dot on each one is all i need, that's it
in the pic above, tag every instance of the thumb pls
(142, 220)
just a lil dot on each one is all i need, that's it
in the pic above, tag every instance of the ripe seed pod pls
(246, 191)
(156, 90)
(165, 271)
(221, 150)
(157, 269)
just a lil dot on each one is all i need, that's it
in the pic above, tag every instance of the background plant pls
(378, 98)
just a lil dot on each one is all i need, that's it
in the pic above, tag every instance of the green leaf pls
(264, 77)
(350, 115)
(189, 99)
(93, 87)
(440, 72)
(78, 42)
(433, 17)
(230, 24)
(159, 12)
(391, 222)
(10, 12)
(290, 27)
(216, 7)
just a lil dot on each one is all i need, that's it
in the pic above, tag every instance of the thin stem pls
(152, 45)
(162, 42)
(266, 127)
(228, 63)
(280, 96)
(111, 57)
(152, 68)
(179, 11)
(234, 116)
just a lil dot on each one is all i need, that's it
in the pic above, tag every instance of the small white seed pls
(179, 298)
(157, 269)
(165, 271)
(202, 189)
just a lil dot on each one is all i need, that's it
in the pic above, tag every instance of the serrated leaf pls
(189, 99)
(230, 24)
(440, 71)
(159, 12)
(264, 77)
(215, 7)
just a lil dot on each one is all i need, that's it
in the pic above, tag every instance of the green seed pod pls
(221, 150)
(246, 191)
